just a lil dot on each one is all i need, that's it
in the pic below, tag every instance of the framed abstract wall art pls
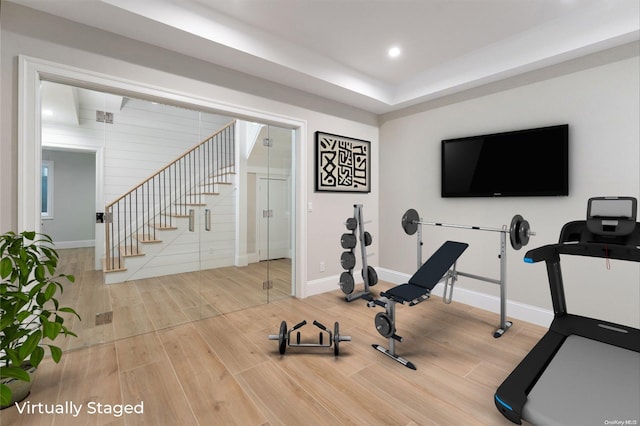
(342, 164)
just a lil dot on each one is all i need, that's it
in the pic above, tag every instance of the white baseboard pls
(515, 310)
(74, 244)
(322, 285)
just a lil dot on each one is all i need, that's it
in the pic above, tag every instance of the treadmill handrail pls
(552, 252)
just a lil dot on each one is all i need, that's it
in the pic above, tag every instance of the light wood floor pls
(152, 304)
(223, 370)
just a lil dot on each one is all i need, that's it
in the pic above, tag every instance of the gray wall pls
(74, 194)
(601, 105)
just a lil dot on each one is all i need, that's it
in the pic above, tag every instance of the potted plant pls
(29, 311)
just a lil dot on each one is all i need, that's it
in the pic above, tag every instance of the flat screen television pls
(532, 162)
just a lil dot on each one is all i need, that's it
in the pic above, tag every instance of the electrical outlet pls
(321, 266)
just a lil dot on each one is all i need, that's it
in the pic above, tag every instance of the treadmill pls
(583, 371)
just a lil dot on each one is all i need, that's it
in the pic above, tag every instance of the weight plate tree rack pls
(348, 242)
(518, 232)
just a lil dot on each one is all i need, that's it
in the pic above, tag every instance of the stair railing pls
(155, 203)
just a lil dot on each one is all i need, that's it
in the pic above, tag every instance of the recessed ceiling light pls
(394, 52)
(47, 112)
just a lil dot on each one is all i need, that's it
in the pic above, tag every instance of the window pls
(47, 189)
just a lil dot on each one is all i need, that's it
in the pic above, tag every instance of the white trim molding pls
(33, 70)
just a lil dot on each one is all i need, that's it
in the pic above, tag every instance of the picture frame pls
(342, 164)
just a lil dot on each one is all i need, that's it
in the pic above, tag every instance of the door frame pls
(259, 178)
(99, 202)
(32, 70)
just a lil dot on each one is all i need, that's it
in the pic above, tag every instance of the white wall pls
(38, 35)
(601, 106)
(74, 194)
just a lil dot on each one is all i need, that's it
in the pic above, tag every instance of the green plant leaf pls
(56, 353)
(14, 373)
(12, 355)
(70, 311)
(39, 273)
(5, 395)
(6, 266)
(36, 356)
(29, 345)
(50, 291)
(51, 329)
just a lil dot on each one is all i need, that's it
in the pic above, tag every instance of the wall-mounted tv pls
(532, 162)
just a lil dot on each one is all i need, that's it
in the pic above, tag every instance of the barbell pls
(519, 230)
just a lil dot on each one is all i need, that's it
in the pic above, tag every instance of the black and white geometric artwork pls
(342, 164)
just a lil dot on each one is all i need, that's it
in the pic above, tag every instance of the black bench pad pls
(429, 274)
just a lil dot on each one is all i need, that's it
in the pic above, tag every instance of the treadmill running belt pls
(587, 383)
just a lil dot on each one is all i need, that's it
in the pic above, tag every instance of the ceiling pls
(337, 49)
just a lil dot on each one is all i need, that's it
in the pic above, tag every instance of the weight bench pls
(439, 267)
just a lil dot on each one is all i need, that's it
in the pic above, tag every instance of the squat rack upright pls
(518, 232)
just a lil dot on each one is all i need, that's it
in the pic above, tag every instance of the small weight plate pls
(336, 339)
(410, 221)
(383, 324)
(523, 233)
(368, 239)
(346, 283)
(372, 275)
(351, 223)
(514, 232)
(348, 241)
(282, 337)
(347, 260)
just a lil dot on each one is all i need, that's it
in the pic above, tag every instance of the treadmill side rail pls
(512, 393)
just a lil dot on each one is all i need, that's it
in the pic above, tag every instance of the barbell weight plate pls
(336, 339)
(282, 337)
(348, 241)
(523, 233)
(384, 325)
(410, 221)
(351, 223)
(372, 275)
(346, 283)
(368, 239)
(347, 260)
(514, 232)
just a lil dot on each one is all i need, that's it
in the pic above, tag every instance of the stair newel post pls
(233, 149)
(129, 223)
(137, 227)
(199, 180)
(107, 239)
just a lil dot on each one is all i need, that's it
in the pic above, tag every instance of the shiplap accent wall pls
(144, 138)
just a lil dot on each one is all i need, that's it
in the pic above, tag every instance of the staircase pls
(156, 213)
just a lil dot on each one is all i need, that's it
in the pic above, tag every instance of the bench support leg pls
(389, 353)
(390, 307)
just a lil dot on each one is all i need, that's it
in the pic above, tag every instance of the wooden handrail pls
(164, 194)
(170, 164)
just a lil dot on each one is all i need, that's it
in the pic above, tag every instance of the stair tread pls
(146, 238)
(130, 251)
(161, 227)
(106, 265)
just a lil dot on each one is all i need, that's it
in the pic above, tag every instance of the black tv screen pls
(532, 162)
